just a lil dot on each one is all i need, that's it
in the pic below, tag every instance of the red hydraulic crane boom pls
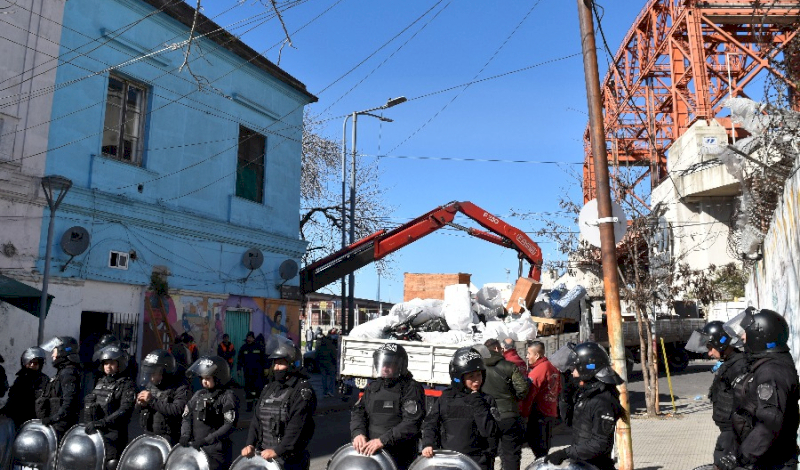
(382, 243)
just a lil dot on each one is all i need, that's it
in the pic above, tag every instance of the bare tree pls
(321, 196)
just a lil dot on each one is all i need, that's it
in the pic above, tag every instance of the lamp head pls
(395, 101)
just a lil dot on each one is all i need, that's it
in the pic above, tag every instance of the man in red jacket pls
(541, 404)
(510, 354)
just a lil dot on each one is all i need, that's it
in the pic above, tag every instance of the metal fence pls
(125, 326)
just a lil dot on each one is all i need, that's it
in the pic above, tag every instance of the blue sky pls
(533, 115)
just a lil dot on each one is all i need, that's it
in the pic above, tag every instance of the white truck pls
(428, 362)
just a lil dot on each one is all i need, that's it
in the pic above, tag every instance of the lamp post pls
(53, 186)
(348, 325)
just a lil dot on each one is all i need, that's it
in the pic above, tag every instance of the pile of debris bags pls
(460, 318)
(560, 303)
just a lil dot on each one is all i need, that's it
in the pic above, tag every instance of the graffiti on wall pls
(203, 317)
(773, 283)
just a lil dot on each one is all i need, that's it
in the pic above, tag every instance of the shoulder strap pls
(758, 363)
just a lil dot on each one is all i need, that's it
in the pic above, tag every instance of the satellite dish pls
(75, 241)
(590, 229)
(253, 259)
(288, 269)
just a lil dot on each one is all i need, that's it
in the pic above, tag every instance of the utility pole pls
(607, 243)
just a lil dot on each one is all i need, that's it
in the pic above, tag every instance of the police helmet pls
(464, 361)
(766, 331)
(390, 361)
(211, 366)
(66, 348)
(282, 348)
(160, 358)
(106, 340)
(112, 353)
(591, 361)
(718, 338)
(33, 354)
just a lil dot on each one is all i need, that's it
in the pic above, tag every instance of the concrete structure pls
(27, 76)
(324, 310)
(698, 199)
(176, 175)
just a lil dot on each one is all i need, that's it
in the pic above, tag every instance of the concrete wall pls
(773, 283)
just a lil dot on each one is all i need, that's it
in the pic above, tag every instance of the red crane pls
(382, 243)
(677, 64)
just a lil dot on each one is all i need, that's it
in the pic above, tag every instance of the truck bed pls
(428, 362)
(673, 331)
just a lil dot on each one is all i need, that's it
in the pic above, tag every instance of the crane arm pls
(382, 243)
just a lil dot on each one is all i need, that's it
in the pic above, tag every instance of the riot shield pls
(7, 435)
(568, 464)
(255, 462)
(564, 358)
(708, 466)
(444, 460)
(346, 458)
(81, 451)
(35, 446)
(145, 453)
(186, 458)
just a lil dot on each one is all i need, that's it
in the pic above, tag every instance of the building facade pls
(186, 178)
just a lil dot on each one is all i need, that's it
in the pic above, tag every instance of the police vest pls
(156, 422)
(273, 414)
(458, 429)
(101, 402)
(745, 415)
(722, 393)
(384, 410)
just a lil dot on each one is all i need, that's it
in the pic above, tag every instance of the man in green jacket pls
(508, 386)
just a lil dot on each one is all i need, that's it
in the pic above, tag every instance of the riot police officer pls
(594, 410)
(29, 384)
(211, 415)
(766, 395)
(722, 346)
(109, 407)
(389, 414)
(60, 404)
(165, 392)
(463, 419)
(283, 417)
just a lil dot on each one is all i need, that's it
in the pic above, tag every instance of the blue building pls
(187, 182)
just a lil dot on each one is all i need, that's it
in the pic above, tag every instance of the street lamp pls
(351, 278)
(57, 186)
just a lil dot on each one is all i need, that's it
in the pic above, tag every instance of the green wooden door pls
(237, 324)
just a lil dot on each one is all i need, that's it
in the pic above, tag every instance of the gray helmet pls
(145, 453)
(540, 464)
(81, 451)
(213, 366)
(106, 340)
(444, 460)
(346, 458)
(66, 348)
(112, 353)
(31, 354)
(36, 446)
(255, 462)
(186, 458)
(7, 435)
(278, 347)
(157, 363)
(389, 357)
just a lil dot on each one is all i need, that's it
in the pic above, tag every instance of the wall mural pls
(203, 317)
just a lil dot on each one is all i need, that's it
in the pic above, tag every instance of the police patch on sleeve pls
(185, 411)
(230, 416)
(410, 407)
(306, 394)
(765, 391)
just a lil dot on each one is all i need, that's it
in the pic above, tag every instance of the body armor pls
(155, 422)
(35, 446)
(346, 458)
(145, 453)
(384, 410)
(744, 417)
(7, 436)
(81, 451)
(721, 392)
(273, 413)
(444, 460)
(186, 458)
(101, 403)
(54, 395)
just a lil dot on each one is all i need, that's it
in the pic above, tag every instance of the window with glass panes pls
(124, 122)
(250, 165)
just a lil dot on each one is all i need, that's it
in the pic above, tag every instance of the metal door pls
(237, 324)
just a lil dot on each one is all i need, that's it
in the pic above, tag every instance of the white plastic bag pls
(446, 337)
(496, 330)
(456, 308)
(489, 297)
(373, 329)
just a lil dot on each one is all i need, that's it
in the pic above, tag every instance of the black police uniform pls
(722, 401)
(462, 421)
(283, 419)
(391, 410)
(253, 361)
(767, 415)
(109, 409)
(507, 385)
(60, 403)
(21, 403)
(593, 417)
(162, 414)
(209, 419)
